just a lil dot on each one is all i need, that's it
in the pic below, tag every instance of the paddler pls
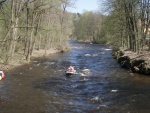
(71, 69)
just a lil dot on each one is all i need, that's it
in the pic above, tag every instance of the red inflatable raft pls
(2, 75)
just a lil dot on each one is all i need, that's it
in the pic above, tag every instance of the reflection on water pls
(101, 87)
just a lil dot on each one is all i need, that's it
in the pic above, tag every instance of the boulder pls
(130, 60)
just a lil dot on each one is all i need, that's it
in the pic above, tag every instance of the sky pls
(82, 5)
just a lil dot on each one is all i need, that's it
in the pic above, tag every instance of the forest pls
(126, 24)
(28, 25)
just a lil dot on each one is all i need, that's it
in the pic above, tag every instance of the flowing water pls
(101, 87)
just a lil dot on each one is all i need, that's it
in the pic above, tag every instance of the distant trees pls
(88, 26)
(26, 25)
(32, 24)
(129, 23)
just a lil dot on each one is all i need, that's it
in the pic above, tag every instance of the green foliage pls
(127, 22)
(40, 24)
(88, 27)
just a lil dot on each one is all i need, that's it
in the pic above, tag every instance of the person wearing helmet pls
(71, 69)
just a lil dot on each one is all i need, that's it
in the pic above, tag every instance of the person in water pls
(71, 69)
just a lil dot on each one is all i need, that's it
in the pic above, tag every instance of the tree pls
(88, 26)
(33, 24)
(131, 20)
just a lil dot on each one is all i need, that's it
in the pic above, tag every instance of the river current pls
(101, 87)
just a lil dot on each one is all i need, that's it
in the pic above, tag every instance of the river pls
(101, 87)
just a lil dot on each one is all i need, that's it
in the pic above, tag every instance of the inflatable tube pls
(2, 75)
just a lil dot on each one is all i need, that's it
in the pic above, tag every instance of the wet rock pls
(132, 61)
(124, 61)
(145, 68)
(135, 65)
(116, 53)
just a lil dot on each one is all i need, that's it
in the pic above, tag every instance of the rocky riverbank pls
(137, 63)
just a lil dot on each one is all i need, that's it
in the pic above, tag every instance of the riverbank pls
(137, 63)
(20, 59)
